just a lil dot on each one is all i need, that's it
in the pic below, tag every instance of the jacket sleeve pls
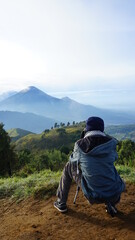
(75, 156)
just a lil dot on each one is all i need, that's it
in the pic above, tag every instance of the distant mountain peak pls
(66, 98)
(30, 89)
(34, 92)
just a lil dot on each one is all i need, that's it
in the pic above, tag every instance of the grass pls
(45, 183)
(127, 173)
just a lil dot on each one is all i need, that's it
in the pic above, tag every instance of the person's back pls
(100, 179)
(94, 154)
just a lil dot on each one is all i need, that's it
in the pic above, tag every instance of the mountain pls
(36, 101)
(5, 95)
(30, 100)
(17, 133)
(28, 121)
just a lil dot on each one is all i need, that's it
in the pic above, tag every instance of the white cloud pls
(67, 45)
(19, 66)
(18, 62)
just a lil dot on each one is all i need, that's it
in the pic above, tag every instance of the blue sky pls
(77, 48)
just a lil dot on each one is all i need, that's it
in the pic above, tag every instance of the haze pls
(77, 48)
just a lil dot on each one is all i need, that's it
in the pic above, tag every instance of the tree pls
(46, 131)
(7, 153)
(55, 125)
(62, 124)
(24, 157)
(65, 149)
(68, 124)
(126, 152)
(73, 123)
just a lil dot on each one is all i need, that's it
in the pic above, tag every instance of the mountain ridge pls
(28, 94)
(33, 100)
(28, 121)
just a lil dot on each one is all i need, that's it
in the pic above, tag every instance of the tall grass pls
(43, 184)
(127, 173)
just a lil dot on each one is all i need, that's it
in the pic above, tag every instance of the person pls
(91, 165)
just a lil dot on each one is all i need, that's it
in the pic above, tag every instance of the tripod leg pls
(77, 191)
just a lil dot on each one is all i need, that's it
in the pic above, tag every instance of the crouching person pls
(91, 165)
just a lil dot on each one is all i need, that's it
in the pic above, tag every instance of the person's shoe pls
(112, 210)
(61, 207)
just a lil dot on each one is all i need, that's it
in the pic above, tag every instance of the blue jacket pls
(100, 179)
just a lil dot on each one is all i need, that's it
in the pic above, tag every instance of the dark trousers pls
(69, 174)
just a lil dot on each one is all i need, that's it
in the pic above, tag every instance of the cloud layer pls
(69, 45)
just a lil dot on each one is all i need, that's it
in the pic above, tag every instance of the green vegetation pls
(7, 155)
(67, 135)
(34, 165)
(127, 173)
(29, 163)
(51, 139)
(126, 153)
(51, 149)
(122, 132)
(16, 133)
(43, 184)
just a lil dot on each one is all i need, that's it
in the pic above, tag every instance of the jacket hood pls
(104, 148)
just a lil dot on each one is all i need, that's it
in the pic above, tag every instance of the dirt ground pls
(39, 220)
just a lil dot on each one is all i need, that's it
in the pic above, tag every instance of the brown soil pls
(39, 220)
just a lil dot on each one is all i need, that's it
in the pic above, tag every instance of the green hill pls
(51, 139)
(16, 133)
(122, 132)
(65, 137)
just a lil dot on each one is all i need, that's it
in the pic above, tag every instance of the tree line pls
(56, 125)
(25, 162)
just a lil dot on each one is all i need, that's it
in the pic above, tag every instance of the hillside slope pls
(55, 138)
(16, 133)
(67, 136)
(35, 219)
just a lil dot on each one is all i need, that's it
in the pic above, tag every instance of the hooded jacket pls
(96, 154)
